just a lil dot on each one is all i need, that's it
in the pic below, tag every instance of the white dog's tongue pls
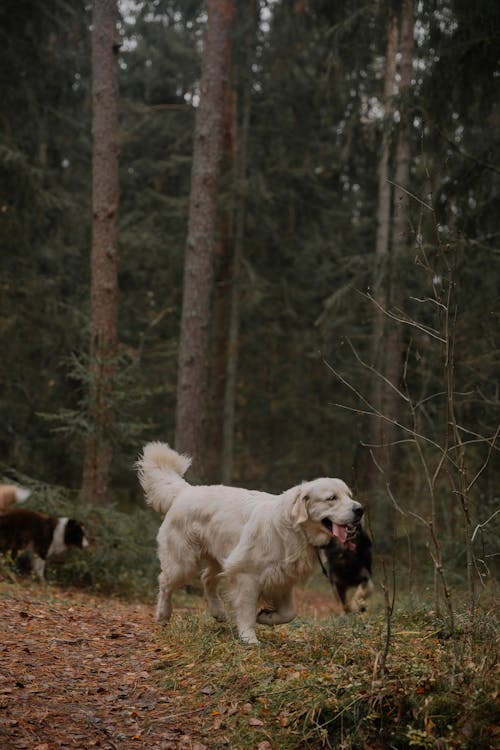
(340, 532)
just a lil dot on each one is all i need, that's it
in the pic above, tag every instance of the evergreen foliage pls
(310, 195)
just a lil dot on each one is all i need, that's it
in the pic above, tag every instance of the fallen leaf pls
(256, 722)
(207, 690)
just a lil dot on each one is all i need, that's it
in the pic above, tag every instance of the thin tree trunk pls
(400, 232)
(224, 257)
(227, 460)
(380, 279)
(198, 269)
(104, 276)
(403, 151)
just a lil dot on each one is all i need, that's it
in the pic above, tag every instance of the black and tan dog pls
(349, 566)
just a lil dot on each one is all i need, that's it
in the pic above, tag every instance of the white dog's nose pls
(358, 511)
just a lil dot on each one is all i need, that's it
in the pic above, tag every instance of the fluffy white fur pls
(258, 545)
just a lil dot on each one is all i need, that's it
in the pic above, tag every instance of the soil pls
(78, 671)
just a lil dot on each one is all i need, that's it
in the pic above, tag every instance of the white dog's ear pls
(299, 507)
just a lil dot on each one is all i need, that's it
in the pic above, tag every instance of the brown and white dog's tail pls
(160, 471)
(22, 494)
(11, 494)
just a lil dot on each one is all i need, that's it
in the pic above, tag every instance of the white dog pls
(259, 545)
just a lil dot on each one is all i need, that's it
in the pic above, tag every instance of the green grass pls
(315, 684)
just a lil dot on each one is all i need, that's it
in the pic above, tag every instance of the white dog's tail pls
(160, 472)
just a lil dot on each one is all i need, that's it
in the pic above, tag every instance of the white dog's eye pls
(333, 498)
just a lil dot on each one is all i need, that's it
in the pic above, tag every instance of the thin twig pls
(485, 463)
(375, 412)
(407, 321)
(428, 299)
(376, 372)
(485, 523)
(412, 195)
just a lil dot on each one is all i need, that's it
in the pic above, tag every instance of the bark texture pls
(229, 409)
(400, 238)
(390, 255)
(382, 246)
(198, 268)
(224, 258)
(104, 259)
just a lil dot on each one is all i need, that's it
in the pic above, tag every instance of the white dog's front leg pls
(164, 603)
(284, 610)
(244, 595)
(210, 586)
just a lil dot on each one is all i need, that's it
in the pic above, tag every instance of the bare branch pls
(481, 438)
(441, 393)
(485, 523)
(412, 195)
(394, 422)
(376, 372)
(429, 299)
(407, 321)
(393, 500)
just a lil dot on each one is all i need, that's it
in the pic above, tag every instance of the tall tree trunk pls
(390, 251)
(224, 256)
(104, 260)
(400, 235)
(198, 269)
(229, 254)
(229, 410)
(382, 246)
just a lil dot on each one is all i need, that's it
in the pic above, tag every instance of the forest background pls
(358, 203)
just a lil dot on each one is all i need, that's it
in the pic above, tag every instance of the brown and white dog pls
(41, 535)
(11, 494)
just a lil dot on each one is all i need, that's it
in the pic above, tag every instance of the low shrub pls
(121, 559)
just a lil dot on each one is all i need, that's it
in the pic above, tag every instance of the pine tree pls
(391, 247)
(400, 236)
(382, 247)
(104, 262)
(198, 269)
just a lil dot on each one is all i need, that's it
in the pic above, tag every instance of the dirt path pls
(78, 671)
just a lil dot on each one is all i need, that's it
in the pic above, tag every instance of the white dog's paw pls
(249, 637)
(162, 615)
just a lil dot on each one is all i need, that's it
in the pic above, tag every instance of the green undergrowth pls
(121, 559)
(318, 684)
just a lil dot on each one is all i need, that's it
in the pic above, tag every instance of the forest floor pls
(79, 671)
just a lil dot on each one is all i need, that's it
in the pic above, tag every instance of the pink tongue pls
(340, 532)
